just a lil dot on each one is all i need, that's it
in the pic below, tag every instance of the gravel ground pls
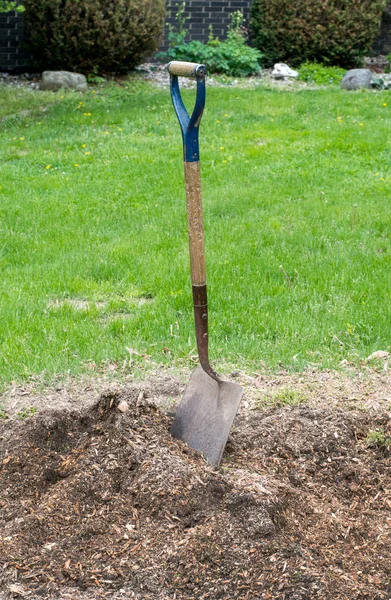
(157, 73)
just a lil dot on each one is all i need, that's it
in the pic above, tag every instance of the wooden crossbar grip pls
(195, 223)
(186, 69)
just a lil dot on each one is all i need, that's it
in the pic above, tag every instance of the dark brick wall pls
(217, 13)
(13, 57)
(382, 44)
(203, 13)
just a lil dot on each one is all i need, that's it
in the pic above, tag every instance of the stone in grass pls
(281, 70)
(55, 80)
(356, 79)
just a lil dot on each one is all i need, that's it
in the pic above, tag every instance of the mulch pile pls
(104, 504)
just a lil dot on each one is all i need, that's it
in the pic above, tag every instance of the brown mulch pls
(96, 503)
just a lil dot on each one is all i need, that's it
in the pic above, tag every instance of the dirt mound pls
(105, 504)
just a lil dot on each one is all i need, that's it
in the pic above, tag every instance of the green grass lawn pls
(93, 244)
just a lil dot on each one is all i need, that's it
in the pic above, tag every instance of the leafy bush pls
(88, 35)
(335, 32)
(6, 6)
(231, 57)
(319, 74)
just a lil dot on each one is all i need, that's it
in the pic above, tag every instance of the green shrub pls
(6, 6)
(319, 74)
(231, 57)
(335, 32)
(109, 36)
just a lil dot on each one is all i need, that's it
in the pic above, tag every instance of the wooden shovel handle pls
(186, 69)
(195, 223)
(197, 262)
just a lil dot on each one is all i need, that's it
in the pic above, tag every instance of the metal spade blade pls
(204, 417)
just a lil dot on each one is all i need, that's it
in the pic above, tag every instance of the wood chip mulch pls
(105, 504)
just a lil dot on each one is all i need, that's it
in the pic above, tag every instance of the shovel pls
(205, 415)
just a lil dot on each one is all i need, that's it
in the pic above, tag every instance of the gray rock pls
(55, 80)
(355, 79)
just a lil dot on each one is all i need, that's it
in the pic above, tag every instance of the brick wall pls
(382, 44)
(217, 13)
(203, 13)
(13, 57)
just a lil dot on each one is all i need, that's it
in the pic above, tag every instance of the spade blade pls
(205, 415)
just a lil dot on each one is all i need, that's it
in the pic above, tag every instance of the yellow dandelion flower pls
(47, 167)
(120, 128)
(22, 139)
(222, 148)
(218, 121)
(361, 124)
(84, 145)
(384, 103)
(88, 153)
(75, 165)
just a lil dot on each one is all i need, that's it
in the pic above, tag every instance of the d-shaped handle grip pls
(186, 69)
(189, 125)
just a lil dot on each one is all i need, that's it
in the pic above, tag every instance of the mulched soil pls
(97, 503)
